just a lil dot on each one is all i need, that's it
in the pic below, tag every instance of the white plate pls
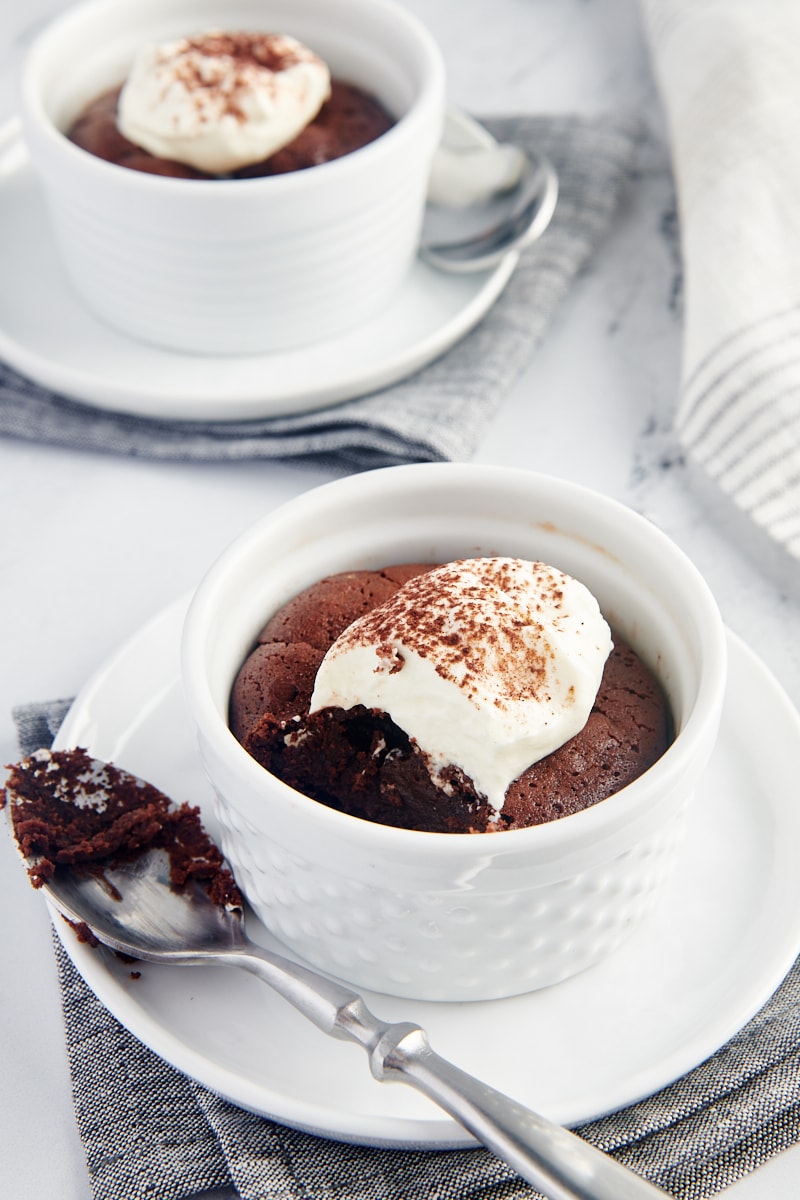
(47, 334)
(724, 936)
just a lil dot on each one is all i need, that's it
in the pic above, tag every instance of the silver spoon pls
(483, 203)
(133, 909)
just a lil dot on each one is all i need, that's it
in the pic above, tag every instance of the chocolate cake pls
(66, 811)
(361, 762)
(347, 121)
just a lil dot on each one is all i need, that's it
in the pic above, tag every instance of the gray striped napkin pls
(440, 413)
(728, 72)
(149, 1132)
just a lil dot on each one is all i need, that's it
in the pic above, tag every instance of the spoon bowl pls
(131, 907)
(484, 202)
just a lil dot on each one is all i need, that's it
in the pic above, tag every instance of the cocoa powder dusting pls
(223, 65)
(466, 648)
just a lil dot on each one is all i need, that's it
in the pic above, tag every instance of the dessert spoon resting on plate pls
(132, 908)
(484, 201)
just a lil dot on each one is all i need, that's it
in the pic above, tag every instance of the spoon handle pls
(560, 1164)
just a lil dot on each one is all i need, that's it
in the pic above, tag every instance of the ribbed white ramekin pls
(237, 266)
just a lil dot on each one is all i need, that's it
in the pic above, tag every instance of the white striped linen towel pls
(729, 76)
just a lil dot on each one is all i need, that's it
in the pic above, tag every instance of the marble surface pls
(92, 546)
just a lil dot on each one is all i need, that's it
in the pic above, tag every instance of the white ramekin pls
(237, 266)
(455, 916)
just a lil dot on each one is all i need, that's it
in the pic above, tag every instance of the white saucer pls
(46, 334)
(724, 936)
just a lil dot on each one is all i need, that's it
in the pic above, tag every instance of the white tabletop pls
(92, 546)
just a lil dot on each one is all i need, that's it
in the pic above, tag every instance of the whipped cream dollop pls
(219, 101)
(488, 664)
